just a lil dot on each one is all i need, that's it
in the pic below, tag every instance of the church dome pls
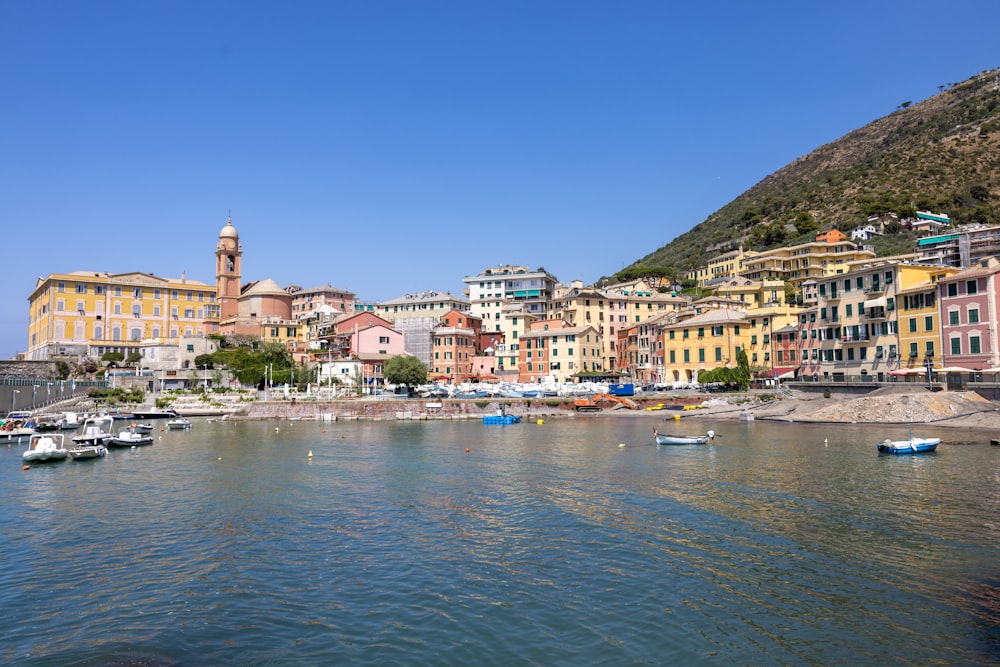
(229, 232)
(266, 287)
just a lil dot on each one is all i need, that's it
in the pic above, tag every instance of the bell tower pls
(228, 268)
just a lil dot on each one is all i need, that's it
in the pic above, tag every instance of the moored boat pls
(154, 414)
(45, 447)
(96, 431)
(82, 451)
(18, 426)
(130, 437)
(667, 439)
(179, 423)
(911, 446)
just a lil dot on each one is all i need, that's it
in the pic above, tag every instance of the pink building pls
(967, 301)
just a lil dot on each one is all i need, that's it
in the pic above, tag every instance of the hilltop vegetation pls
(941, 155)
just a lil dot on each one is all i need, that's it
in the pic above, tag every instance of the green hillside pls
(941, 154)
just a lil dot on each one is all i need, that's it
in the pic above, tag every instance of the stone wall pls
(45, 370)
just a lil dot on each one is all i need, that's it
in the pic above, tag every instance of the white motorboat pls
(96, 431)
(70, 421)
(18, 426)
(130, 437)
(179, 423)
(83, 451)
(45, 447)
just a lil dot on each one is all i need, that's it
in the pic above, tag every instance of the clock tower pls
(228, 260)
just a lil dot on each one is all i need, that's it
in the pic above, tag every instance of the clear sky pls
(395, 146)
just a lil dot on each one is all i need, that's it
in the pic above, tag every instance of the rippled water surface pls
(571, 542)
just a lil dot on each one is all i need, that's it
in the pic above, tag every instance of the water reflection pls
(776, 544)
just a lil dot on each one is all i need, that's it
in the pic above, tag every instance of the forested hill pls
(941, 154)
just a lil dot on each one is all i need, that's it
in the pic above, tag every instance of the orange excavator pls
(599, 402)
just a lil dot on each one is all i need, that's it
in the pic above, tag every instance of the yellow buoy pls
(677, 418)
(310, 453)
(540, 422)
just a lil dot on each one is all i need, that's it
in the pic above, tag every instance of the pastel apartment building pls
(860, 332)
(553, 349)
(454, 346)
(488, 291)
(970, 301)
(796, 264)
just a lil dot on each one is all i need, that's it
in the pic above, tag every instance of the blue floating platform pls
(502, 419)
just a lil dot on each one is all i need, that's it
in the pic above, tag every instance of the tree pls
(805, 223)
(742, 370)
(207, 360)
(979, 192)
(406, 370)
(112, 359)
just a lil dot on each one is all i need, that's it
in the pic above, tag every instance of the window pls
(956, 345)
(953, 317)
(970, 287)
(973, 316)
(952, 289)
(687, 356)
(718, 354)
(974, 345)
(928, 323)
(913, 349)
(929, 348)
(701, 354)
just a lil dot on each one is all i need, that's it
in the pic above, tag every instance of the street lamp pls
(204, 377)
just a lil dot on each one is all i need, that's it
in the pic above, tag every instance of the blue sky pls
(389, 147)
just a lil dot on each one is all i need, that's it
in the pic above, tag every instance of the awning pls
(875, 303)
(953, 369)
(782, 373)
(906, 371)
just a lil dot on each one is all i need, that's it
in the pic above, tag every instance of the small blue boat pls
(911, 446)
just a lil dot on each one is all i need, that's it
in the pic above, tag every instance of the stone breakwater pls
(393, 408)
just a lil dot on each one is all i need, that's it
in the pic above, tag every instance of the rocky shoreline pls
(951, 409)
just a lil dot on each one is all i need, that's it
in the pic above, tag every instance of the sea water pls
(576, 541)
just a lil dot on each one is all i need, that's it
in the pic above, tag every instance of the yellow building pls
(553, 349)
(920, 322)
(88, 313)
(796, 264)
(762, 345)
(708, 340)
(863, 333)
(727, 265)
